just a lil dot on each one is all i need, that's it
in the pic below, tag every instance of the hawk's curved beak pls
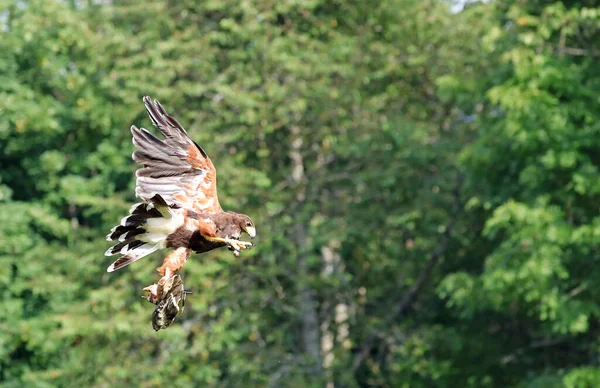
(251, 231)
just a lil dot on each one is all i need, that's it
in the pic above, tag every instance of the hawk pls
(180, 208)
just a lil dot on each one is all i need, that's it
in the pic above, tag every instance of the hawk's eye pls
(248, 223)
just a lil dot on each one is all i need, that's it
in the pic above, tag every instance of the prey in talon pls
(169, 299)
(169, 308)
(156, 291)
(179, 208)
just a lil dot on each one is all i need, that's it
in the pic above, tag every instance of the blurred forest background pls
(425, 185)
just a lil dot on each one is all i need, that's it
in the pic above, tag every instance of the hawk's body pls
(181, 210)
(225, 225)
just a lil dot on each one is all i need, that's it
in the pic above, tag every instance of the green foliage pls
(424, 184)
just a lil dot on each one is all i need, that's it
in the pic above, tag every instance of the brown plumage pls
(180, 208)
(169, 297)
(226, 224)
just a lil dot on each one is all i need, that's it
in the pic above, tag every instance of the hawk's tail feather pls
(143, 231)
(131, 232)
(124, 247)
(123, 233)
(135, 222)
(133, 255)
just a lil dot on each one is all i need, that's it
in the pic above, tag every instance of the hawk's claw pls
(152, 295)
(155, 291)
(240, 245)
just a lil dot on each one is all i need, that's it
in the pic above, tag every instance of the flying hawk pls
(180, 208)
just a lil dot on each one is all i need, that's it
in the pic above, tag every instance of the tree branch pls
(575, 51)
(534, 345)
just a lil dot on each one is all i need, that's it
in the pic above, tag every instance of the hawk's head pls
(246, 225)
(243, 223)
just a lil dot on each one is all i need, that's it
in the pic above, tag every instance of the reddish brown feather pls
(176, 167)
(174, 261)
(207, 228)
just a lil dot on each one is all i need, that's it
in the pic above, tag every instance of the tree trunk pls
(309, 318)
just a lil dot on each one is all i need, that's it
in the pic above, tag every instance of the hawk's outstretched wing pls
(176, 168)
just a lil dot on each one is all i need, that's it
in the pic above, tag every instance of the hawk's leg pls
(237, 245)
(171, 264)
(174, 261)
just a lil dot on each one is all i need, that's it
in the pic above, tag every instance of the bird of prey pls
(180, 208)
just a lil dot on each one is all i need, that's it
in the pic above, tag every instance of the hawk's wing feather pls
(176, 168)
